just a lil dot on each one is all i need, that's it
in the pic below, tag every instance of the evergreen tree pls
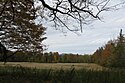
(119, 52)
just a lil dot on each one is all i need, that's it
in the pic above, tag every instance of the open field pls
(53, 65)
(25, 72)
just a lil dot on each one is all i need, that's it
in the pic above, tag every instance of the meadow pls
(59, 73)
(54, 66)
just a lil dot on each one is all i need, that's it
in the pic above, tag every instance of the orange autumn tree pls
(107, 52)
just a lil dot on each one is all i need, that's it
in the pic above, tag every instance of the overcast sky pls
(93, 36)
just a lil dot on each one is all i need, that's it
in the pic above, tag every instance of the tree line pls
(48, 57)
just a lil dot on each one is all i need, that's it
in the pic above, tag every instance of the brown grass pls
(54, 65)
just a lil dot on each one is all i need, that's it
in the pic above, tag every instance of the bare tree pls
(67, 12)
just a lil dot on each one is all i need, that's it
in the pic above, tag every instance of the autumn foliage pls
(112, 54)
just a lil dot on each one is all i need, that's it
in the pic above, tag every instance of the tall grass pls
(20, 74)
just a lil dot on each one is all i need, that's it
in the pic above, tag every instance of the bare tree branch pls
(79, 10)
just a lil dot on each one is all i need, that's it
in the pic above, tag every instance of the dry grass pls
(54, 65)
